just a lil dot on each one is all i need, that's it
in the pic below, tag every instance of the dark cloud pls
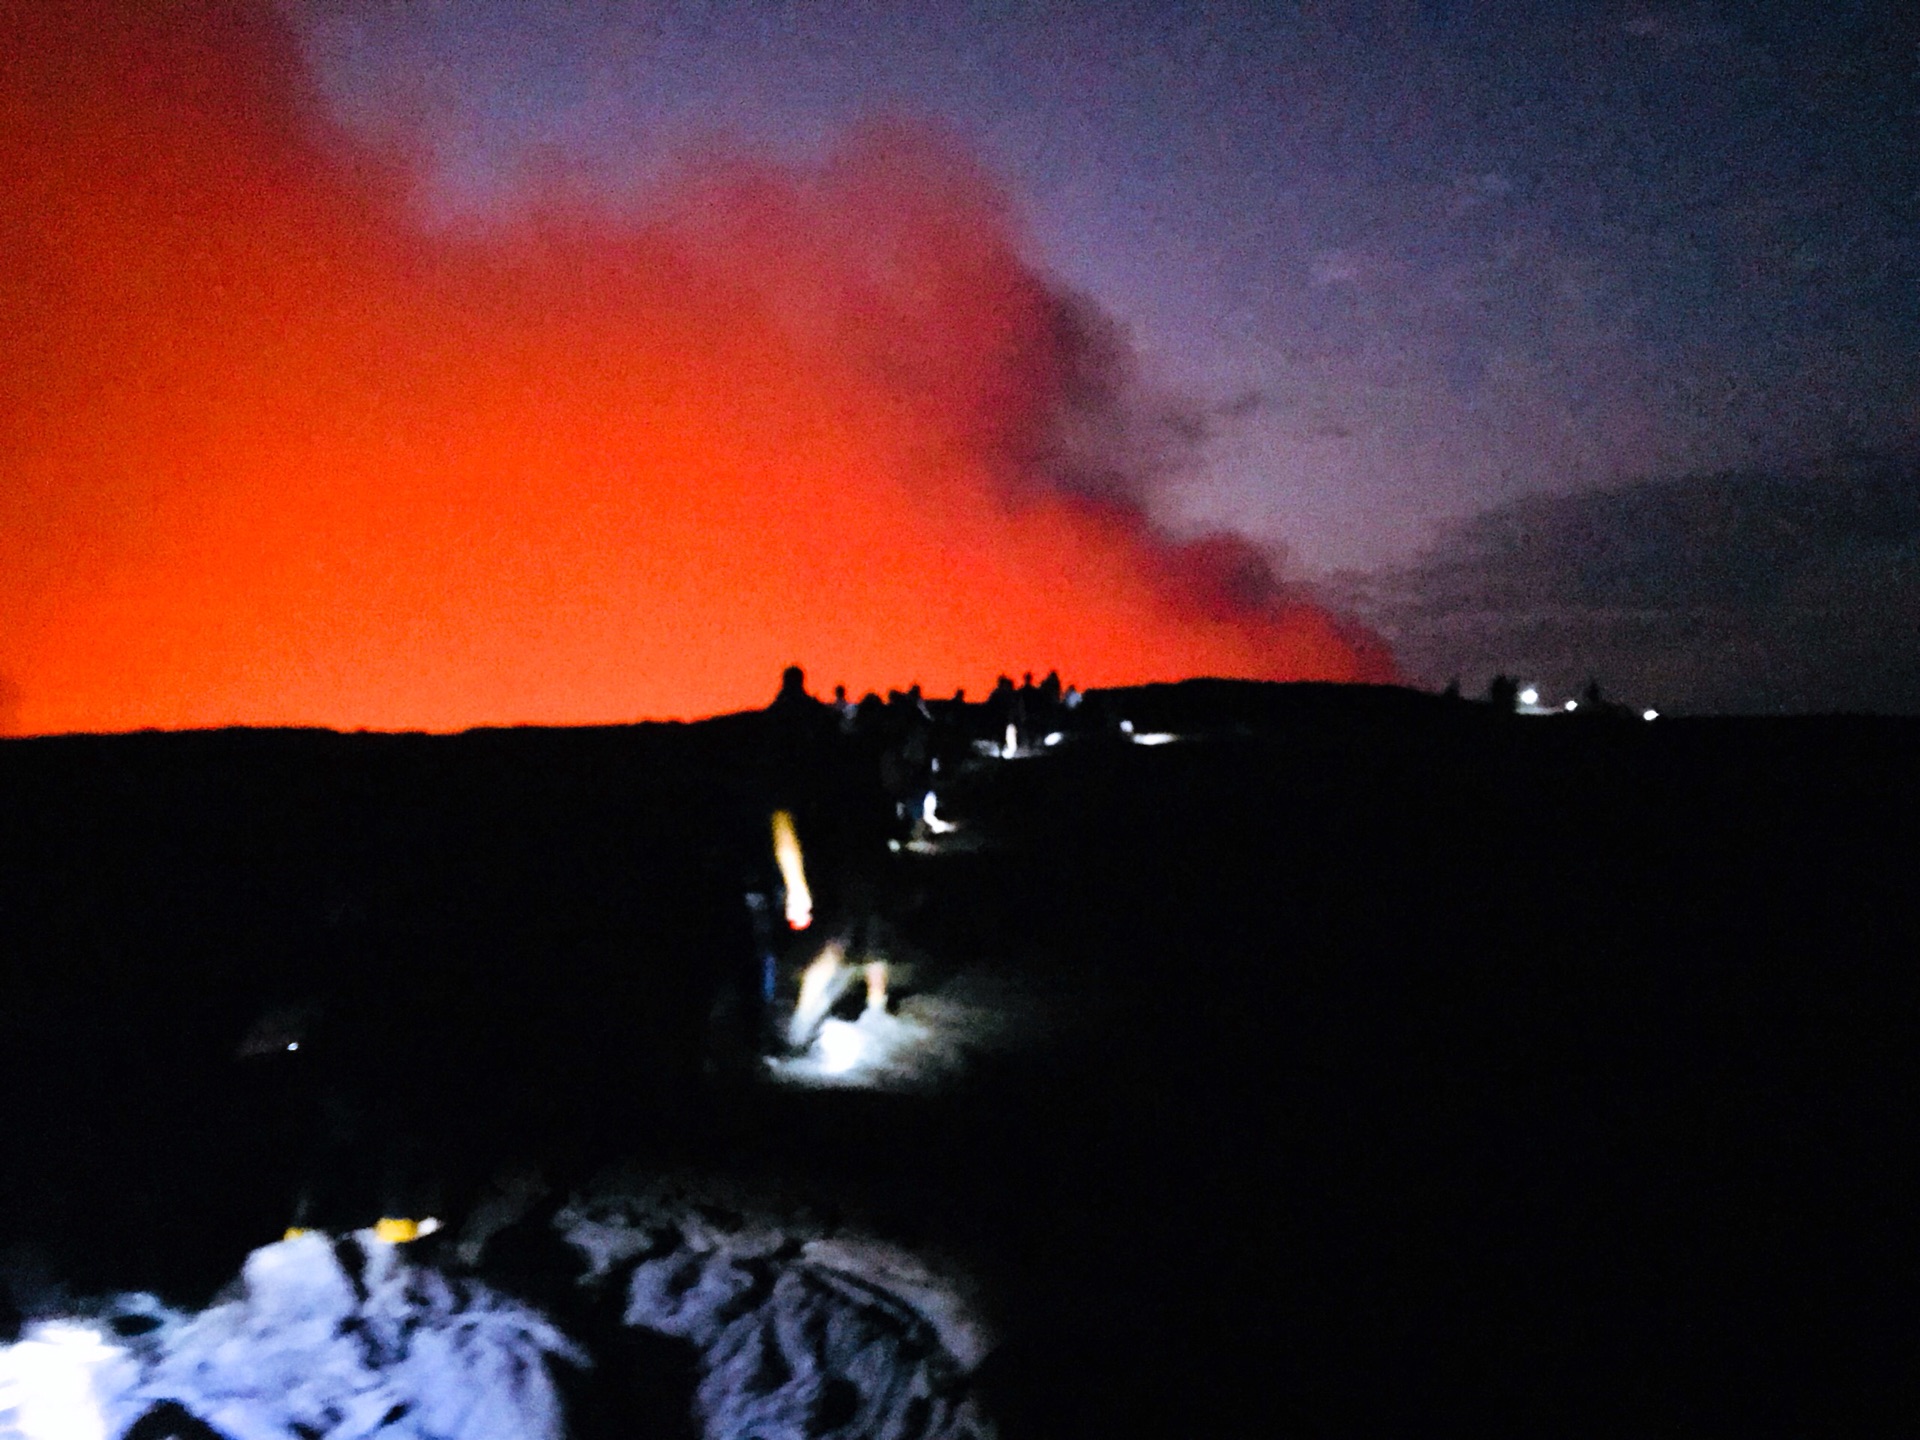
(1107, 437)
(1743, 592)
(1112, 441)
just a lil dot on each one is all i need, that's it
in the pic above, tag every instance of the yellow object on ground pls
(399, 1232)
(395, 1231)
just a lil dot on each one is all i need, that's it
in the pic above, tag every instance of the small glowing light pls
(1158, 737)
(1054, 738)
(894, 845)
(1649, 714)
(1572, 705)
(1012, 746)
(1126, 727)
(793, 873)
(293, 1044)
(876, 985)
(1529, 696)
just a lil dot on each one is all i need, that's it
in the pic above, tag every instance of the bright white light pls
(1013, 743)
(932, 819)
(1573, 705)
(842, 1047)
(894, 845)
(293, 1044)
(1158, 737)
(51, 1383)
(1529, 696)
(1649, 714)
(1126, 727)
(1054, 738)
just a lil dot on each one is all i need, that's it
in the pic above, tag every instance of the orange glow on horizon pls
(272, 456)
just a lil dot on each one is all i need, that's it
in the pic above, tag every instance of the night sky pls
(1425, 256)
(988, 337)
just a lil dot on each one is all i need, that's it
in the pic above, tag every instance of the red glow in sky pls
(271, 455)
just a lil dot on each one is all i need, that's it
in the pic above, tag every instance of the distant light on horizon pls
(1529, 696)
(1649, 714)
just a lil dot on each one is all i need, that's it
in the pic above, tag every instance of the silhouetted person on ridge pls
(793, 690)
(1504, 694)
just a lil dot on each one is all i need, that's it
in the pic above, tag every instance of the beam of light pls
(819, 987)
(924, 1039)
(930, 816)
(793, 872)
(52, 1383)
(1011, 747)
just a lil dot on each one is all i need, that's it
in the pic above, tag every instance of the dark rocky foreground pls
(1406, 1063)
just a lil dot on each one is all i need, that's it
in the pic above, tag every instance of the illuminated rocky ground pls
(1355, 1062)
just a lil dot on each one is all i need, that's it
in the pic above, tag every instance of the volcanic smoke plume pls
(270, 452)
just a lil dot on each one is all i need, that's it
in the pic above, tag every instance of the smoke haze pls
(275, 454)
(1764, 592)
